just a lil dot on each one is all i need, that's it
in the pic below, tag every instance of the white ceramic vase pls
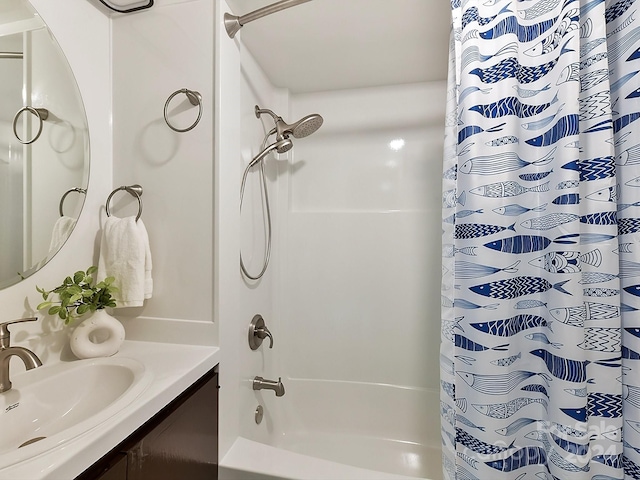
(100, 335)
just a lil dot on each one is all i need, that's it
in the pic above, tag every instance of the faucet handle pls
(5, 335)
(262, 333)
(258, 331)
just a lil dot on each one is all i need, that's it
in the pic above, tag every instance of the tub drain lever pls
(258, 331)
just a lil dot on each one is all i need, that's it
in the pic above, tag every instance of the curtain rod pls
(233, 23)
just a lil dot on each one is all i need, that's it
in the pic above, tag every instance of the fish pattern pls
(511, 106)
(519, 244)
(515, 287)
(475, 230)
(500, 384)
(514, 426)
(567, 261)
(549, 221)
(576, 315)
(511, 326)
(521, 458)
(500, 163)
(477, 445)
(541, 213)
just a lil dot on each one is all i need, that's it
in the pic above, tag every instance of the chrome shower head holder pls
(280, 146)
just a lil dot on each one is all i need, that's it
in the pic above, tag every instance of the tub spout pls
(260, 383)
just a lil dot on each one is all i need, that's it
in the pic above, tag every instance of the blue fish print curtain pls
(540, 352)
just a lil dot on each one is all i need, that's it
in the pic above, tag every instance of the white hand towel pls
(125, 255)
(61, 231)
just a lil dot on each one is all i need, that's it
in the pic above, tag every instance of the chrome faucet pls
(29, 358)
(258, 331)
(260, 383)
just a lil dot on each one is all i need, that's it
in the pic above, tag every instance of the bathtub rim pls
(262, 461)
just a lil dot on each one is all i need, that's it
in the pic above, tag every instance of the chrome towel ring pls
(135, 190)
(75, 189)
(41, 113)
(194, 98)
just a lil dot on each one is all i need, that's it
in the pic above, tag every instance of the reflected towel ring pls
(41, 113)
(194, 98)
(75, 189)
(135, 190)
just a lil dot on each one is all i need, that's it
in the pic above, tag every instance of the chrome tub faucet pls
(260, 383)
(29, 358)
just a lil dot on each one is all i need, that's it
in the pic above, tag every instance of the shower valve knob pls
(258, 331)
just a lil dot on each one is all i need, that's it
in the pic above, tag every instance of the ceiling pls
(339, 44)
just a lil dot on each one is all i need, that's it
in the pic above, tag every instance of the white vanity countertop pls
(174, 368)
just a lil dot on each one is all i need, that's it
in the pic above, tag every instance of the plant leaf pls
(44, 305)
(74, 290)
(82, 309)
(75, 298)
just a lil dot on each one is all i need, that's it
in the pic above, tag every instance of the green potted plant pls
(100, 335)
(78, 295)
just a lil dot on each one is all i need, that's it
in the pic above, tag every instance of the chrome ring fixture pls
(194, 98)
(75, 189)
(135, 190)
(41, 113)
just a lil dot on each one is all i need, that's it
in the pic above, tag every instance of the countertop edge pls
(174, 367)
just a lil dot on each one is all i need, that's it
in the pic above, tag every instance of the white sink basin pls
(48, 406)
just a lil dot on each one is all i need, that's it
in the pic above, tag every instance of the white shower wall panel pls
(257, 297)
(361, 241)
(376, 151)
(361, 304)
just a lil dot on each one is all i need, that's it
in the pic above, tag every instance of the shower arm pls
(233, 23)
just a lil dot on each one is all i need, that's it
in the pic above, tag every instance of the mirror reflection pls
(44, 144)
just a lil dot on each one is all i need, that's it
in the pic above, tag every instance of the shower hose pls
(267, 254)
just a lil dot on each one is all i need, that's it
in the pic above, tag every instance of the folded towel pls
(61, 231)
(125, 255)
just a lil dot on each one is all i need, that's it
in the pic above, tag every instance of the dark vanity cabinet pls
(179, 442)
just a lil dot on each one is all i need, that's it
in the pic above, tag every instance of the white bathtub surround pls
(377, 427)
(249, 460)
(350, 291)
(173, 369)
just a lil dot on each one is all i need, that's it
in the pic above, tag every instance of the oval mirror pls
(44, 144)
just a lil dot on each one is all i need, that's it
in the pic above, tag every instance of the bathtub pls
(333, 430)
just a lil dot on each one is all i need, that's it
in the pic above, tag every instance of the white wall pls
(155, 53)
(227, 281)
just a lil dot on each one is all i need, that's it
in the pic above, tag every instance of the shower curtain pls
(540, 352)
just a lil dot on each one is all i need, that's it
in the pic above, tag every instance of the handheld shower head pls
(300, 129)
(280, 146)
